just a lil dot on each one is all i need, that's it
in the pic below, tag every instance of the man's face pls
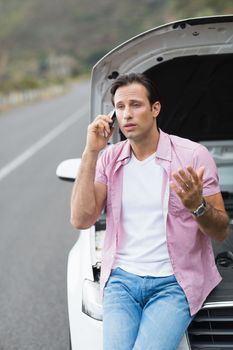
(135, 115)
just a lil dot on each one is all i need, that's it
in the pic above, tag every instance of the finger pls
(193, 174)
(186, 178)
(111, 132)
(184, 186)
(102, 126)
(108, 134)
(106, 118)
(98, 126)
(200, 173)
(98, 130)
(178, 191)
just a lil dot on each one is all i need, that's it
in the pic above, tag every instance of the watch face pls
(200, 210)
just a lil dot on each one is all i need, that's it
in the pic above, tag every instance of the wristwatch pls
(201, 209)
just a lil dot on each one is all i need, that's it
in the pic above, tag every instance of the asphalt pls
(35, 232)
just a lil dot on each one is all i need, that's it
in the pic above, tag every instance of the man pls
(163, 207)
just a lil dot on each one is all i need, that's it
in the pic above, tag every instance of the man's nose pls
(127, 113)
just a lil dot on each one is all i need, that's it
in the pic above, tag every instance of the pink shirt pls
(190, 250)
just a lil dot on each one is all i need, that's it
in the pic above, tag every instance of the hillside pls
(43, 40)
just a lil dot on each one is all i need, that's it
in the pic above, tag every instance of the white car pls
(192, 63)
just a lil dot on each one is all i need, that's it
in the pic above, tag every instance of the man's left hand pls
(189, 186)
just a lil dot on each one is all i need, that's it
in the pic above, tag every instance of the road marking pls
(23, 157)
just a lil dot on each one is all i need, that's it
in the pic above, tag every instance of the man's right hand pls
(99, 133)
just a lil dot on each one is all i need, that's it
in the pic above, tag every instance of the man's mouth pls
(129, 126)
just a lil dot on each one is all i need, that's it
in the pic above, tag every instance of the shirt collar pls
(125, 151)
(164, 146)
(163, 149)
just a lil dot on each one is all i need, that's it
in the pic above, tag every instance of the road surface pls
(35, 232)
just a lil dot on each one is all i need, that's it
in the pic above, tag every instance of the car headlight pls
(91, 300)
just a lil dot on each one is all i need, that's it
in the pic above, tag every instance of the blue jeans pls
(143, 313)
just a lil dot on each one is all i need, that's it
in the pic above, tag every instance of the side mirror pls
(68, 169)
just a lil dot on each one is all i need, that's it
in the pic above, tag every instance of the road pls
(35, 232)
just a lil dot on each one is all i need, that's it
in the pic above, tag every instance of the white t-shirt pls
(143, 248)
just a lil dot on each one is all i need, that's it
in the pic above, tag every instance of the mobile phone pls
(113, 117)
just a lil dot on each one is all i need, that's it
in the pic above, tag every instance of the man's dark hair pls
(128, 79)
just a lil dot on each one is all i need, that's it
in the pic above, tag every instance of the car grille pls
(212, 328)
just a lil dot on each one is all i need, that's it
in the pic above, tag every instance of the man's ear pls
(156, 107)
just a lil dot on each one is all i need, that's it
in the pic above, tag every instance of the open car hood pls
(191, 62)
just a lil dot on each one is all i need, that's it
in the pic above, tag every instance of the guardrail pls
(16, 98)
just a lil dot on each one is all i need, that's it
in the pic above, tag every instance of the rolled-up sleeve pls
(100, 175)
(203, 157)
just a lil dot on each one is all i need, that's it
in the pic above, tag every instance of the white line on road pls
(23, 157)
